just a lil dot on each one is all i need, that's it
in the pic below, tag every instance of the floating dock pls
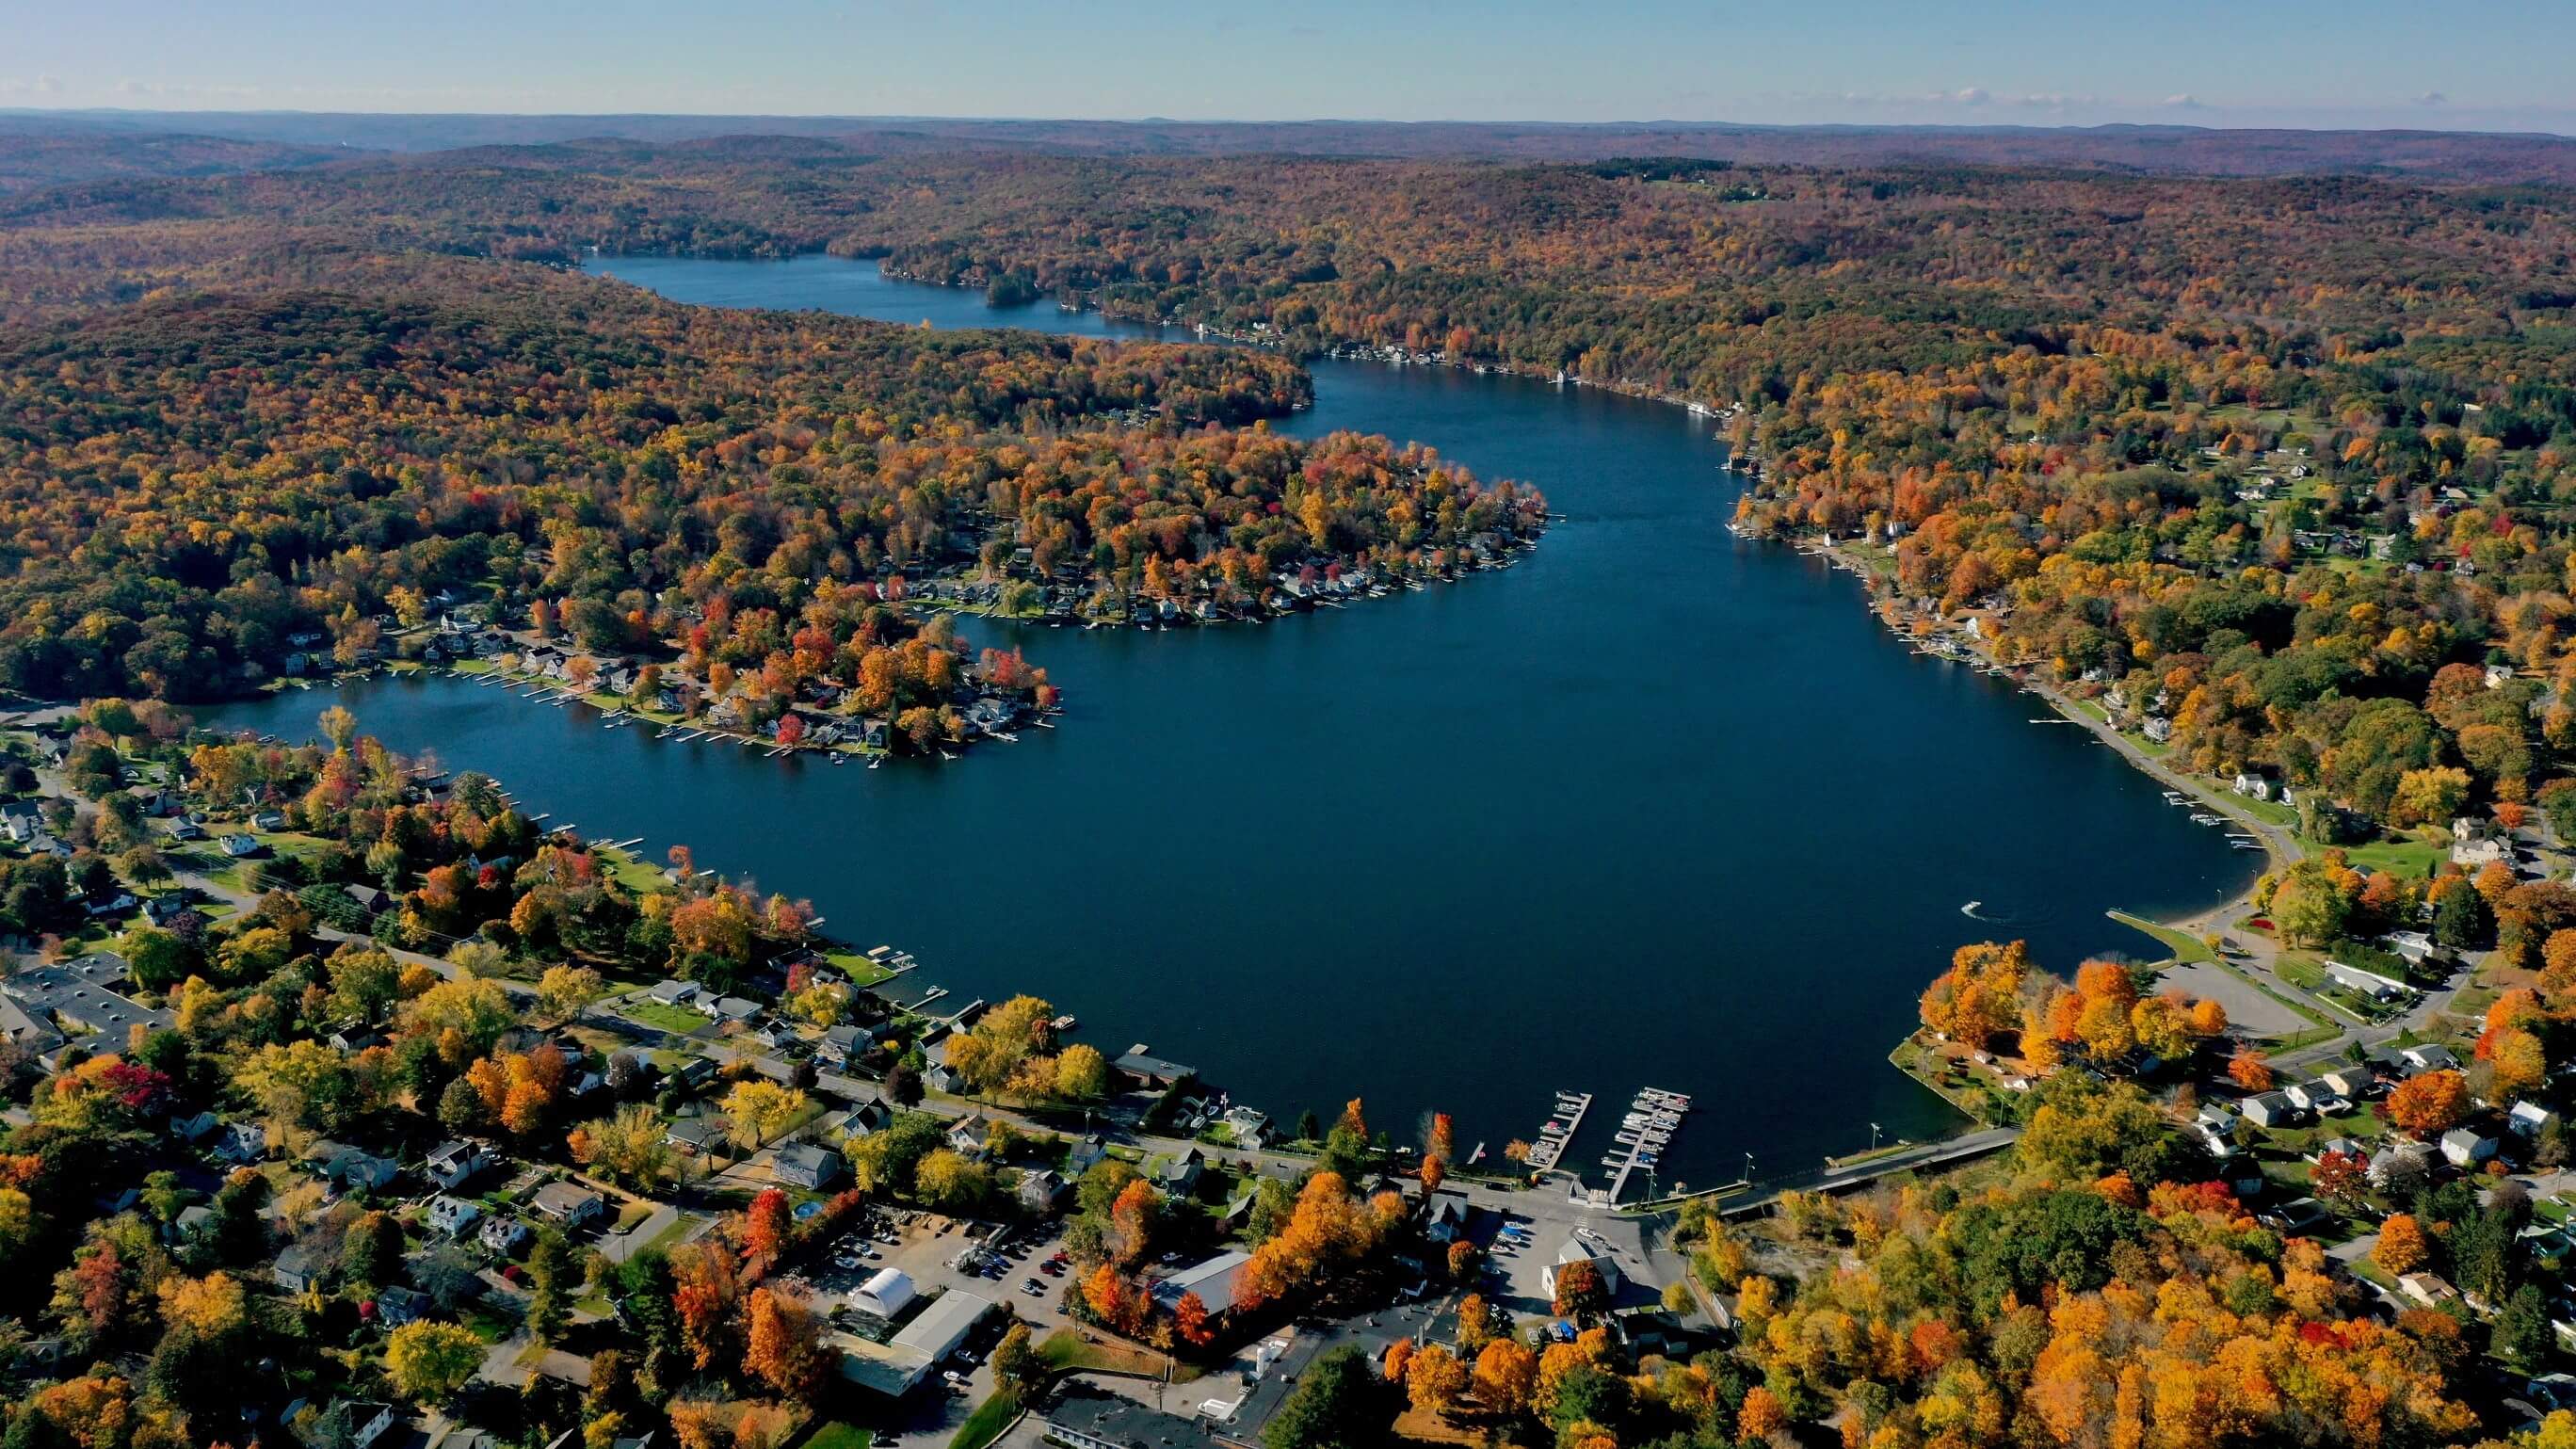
(1559, 1129)
(1643, 1135)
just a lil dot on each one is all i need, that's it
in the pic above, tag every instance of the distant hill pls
(36, 152)
(2186, 150)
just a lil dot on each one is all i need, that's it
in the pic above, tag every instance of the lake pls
(1656, 807)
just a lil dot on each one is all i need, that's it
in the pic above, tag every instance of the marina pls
(1557, 1132)
(1653, 1119)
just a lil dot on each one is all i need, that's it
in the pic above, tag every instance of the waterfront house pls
(1152, 1071)
(451, 1216)
(809, 1165)
(568, 1204)
(452, 1164)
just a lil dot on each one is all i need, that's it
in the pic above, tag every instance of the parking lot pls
(941, 1254)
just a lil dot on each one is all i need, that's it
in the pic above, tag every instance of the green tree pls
(551, 1282)
(1338, 1404)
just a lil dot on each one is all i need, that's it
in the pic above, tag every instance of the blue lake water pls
(1656, 807)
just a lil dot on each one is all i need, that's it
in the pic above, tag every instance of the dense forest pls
(197, 486)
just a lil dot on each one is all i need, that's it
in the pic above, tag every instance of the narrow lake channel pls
(1657, 807)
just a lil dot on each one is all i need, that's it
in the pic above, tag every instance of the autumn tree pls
(785, 1346)
(2401, 1247)
(2430, 1102)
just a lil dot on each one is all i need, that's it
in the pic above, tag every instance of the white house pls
(2432, 1057)
(452, 1215)
(2464, 1148)
(2529, 1119)
(453, 1163)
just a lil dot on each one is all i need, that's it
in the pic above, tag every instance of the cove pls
(1656, 807)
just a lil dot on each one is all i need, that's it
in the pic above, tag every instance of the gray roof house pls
(808, 1165)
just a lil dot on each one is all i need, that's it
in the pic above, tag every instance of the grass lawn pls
(2405, 859)
(670, 1236)
(840, 1434)
(631, 1214)
(654, 1013)
(860, 970)
(2184, 946)
(1067, 1349)
(988, 1421)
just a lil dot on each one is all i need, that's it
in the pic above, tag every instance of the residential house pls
(2426, 1290)
(452, 1164)
(1180, 1176)
(944, 1078)
(198, 1128)
(733, 1009)
(399, 1305)
(299, 1268)
(809, 1165)
(355, 1423)
(2399, 1159)
(353, 1170)
(240, 847)
(967, 1134)
(451, 1216)
(1085, 1154)
(868, 1118)
(240, 1143)
(2369, 984)
(673, 993)
(2528, 1120)
(2349, 1082)
(1042, 1191)
(2464, 1148)
(841, 1045)
(568, 1204)
(1444, 1216)
(2432, 1057)
(694, 1134)
(21, 820)
(2271, 1109)
(2316, 1097)
(504, 1234)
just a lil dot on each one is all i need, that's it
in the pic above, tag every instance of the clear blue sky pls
(2484, 64)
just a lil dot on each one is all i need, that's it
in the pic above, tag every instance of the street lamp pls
(1873, 1137)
